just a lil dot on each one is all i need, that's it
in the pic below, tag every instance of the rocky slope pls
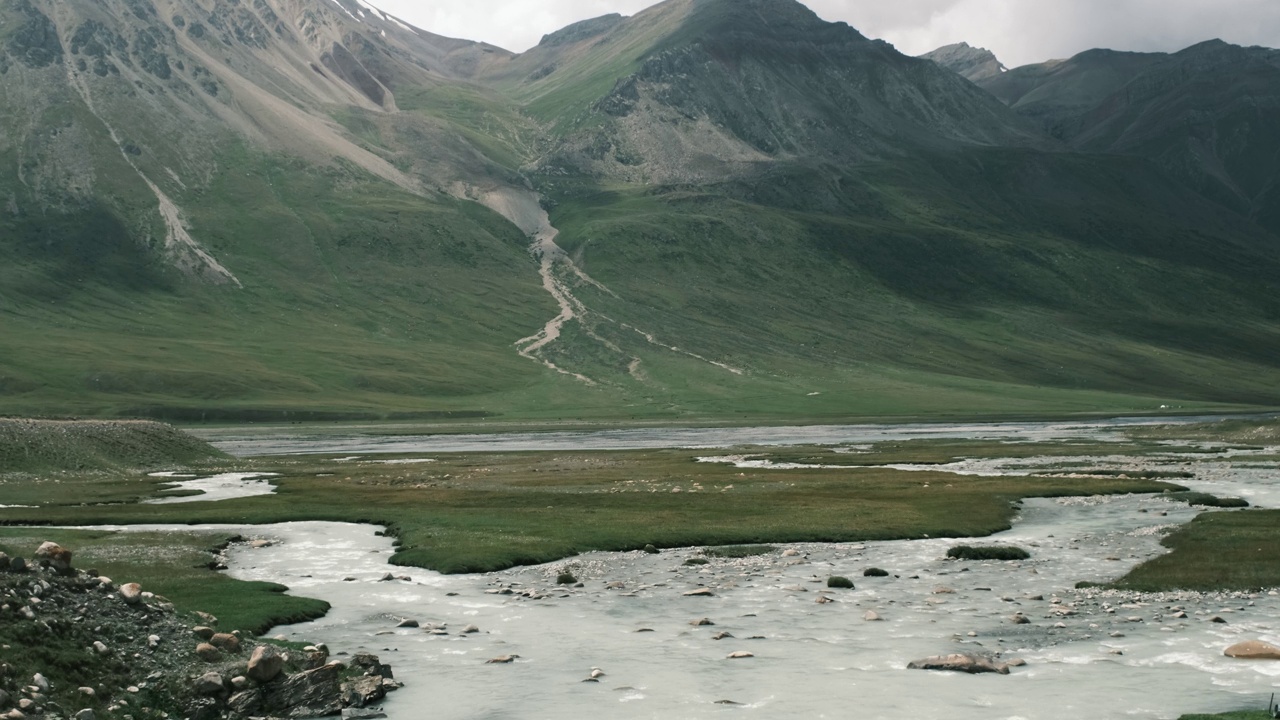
(971, 63)
(81, 646)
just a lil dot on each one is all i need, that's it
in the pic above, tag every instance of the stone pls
(226, 642)
(700, 592)
(372, 665)
(872, 616)
(704, 622)
(961, 662)
(100, 647)
(131, 593)
(408, 624)
(239, 683)
(790, 552)
(153, 641)
(650, 549)
(17, 565)
(1253, 650)
(85, 714)
(722, 635)
(210, 684)
(265, 664)
(41, 682)
(470, 630)
(362, 714)
(85, 691)
(208, 653)
(362, 691)
(1020, 619)
(314, 693)
(740, 655)
(58, 557)
(1218, 619)
(204, 633)
(502, 660)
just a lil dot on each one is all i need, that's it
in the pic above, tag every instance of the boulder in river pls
(1253, 650)
(314, 693)
(961, 662)
(700, 592)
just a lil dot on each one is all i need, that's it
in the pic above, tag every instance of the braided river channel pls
(814, 652)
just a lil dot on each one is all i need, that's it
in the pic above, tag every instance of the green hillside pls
(763, 217)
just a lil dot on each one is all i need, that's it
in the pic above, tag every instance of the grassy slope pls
(31, 446)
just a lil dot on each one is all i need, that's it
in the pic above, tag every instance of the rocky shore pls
(74, 644)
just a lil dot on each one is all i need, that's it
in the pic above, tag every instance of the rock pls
(362, 714)
(265, 664)
(1218, 619)
(204, 633)
(362, 691)
(790, 552)
(153, 641)
(210, 684)
(208, 653)
(239, 683)
(85, 714)
(58, 557)
(824, 600)
(1020, 619)
(4, 562)
(740, 655)
(1253, 650)
(502, 660)
(245, 702)
(372, 665)
(85, 691)
(651, 549)
(597, 673)
(225, 642)
(700, 592)
(40, 682)
(961, 662)
(131, 593)
(17, 565)
(470, 630)
(408, 624)
(387, 577)
(100, 647)
(721, 635)
(4, 698)
(872, 616)
(704, 622)
(314, 693)
(207, 618)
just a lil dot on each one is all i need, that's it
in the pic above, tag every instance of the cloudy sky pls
(1019, 31)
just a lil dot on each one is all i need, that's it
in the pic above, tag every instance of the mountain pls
(1209, 115)
(713, 209)
(971, 63)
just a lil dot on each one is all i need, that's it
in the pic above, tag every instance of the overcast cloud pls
(1019, 31)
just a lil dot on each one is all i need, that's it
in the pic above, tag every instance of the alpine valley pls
(713, 210)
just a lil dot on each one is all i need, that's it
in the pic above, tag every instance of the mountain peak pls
(972, 63)
(580, 31)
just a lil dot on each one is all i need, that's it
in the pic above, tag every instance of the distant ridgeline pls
(296, 210)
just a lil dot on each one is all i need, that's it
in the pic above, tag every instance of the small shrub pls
(566, 578)
(875, 572)
(652, 550)
(840, 582)
(989, 552)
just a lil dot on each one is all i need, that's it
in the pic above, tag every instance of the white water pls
(245, 441)
(228, 486)
(815, 660)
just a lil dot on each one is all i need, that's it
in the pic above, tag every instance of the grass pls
(1216, 551)
(474, 513)
(176, 566)
(31, 446)
(987, 552)
(1240, 715)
